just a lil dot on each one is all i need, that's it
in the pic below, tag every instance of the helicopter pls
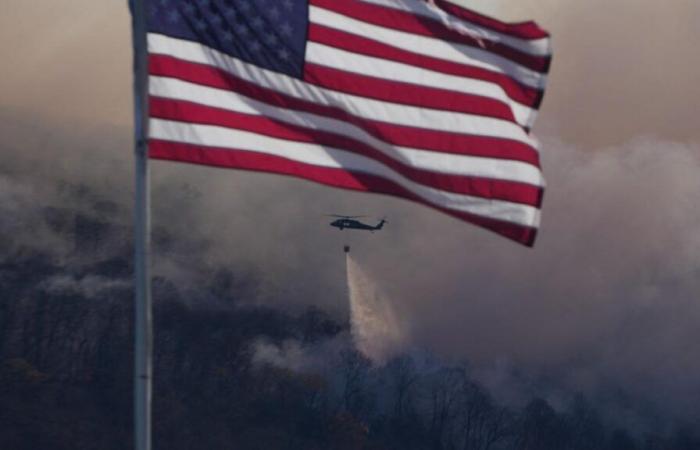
(351, 223)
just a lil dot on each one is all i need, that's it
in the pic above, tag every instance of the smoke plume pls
(605, 304)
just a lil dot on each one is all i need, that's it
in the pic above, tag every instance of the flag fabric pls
(423, 100)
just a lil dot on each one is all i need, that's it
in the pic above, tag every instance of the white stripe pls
(376, 110)
(535, 47)
(213, 136)
(437, 162)
(328, 56)
(429, 46)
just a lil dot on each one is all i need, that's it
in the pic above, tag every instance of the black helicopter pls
(351, 223)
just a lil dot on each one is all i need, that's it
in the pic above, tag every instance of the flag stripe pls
(314, 154)
(353, 43)
(333, 102)
(404, 93)
(428, 46)
(341, 178)
(522, 30)
(415, 24)
(391, 96)
(470, 180)
(400, 77)
(538, 46)
(213, 87)
(172, 89)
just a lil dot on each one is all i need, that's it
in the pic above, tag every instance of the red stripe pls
(394, 134)
(253, 161)
(405, 93)
(423, 26)
(524, 30)
(346, 41)
(475, 186)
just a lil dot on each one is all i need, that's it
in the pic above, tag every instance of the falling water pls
(376, 331)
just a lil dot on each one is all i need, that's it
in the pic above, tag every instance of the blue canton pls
(267, 33)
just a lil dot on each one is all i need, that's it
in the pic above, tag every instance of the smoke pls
(620, 69)
(375, 331)
(89, 287)
(605, 304)
(607, 297)
(291, 354)
(73, 63)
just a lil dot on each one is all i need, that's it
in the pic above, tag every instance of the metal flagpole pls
(143, 330)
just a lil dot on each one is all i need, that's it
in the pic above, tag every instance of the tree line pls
(66, 374)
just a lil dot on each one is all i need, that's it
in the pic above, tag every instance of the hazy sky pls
(609, 297)
(621, 67)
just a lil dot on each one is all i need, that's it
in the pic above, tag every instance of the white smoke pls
(376, 331)
(89, 286)
(290, 354)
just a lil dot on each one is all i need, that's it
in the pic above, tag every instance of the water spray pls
(376, 330)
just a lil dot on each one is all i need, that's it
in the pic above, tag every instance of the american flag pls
(423, 100)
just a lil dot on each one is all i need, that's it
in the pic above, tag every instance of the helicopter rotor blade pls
(344, 217)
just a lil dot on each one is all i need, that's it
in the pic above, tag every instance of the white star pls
(189, 9)
(271, 39)
(245, 5)
(216, 20)
(200, 25)
(258, 22)
(275, 13)
(173, 16)
(255, 46)
(286, 29)
(229, 12)
(241, 29)
(228, 36)
(283, 54)
(288, 4)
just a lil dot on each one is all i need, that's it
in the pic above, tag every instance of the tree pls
(444, 389)
(585, 426)
(354, 368)
(539, 428)
(621, 440)
(403, 378)
(483, 424)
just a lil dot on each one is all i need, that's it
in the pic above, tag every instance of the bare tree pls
(483, 424)
(403, 378)
(539, 427)
(354, 368)
(444, 389)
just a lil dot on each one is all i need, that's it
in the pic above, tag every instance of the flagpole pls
(143, 328)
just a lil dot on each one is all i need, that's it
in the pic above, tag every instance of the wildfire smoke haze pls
(605, 304)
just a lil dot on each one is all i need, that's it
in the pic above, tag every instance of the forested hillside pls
(66, 365)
